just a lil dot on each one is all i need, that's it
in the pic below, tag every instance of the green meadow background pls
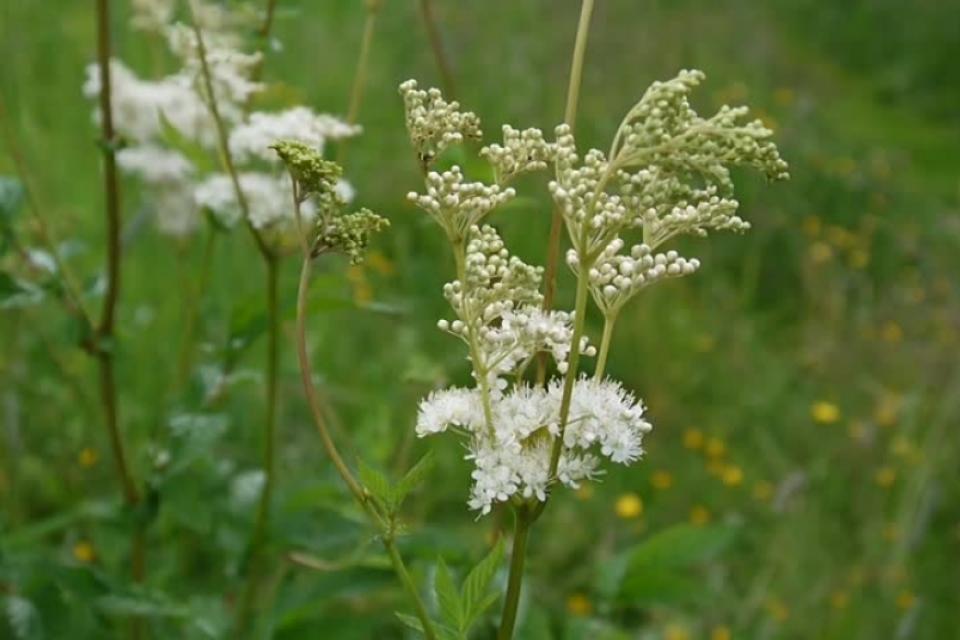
(802, 478)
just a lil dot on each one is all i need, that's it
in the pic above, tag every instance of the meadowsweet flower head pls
(254, 138)
(433, 123)
(457, 205)
(521, 152)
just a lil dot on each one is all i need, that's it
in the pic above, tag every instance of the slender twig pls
(384, 522)
(436, 45)
(570, 119)
(360, 75)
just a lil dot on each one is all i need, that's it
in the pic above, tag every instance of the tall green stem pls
(609, 321)
(357, 490)
(436, 45)
(521, 530)
(570, 119)
(104, 346)
(360, 75)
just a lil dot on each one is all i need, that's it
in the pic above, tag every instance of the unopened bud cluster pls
(433, 123)
(458, 205)
(521, 152)
(615, 278)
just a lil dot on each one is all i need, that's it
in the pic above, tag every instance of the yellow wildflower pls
(693, 439)
(579, 605)
(88, 457)
(380, 263)
(859, 258)
(721, 632)
(629, 506)
(84, 552)
(887, 411)
(777, 609)
(676, 632)
(885, 477)
(839, 599)
(824, 412)
(820, 252)
(732, 476)
(661, 480)
(891, 332)
(699, 515)
(716, 448)
(762, 491)
(585, 492)
(906, 600)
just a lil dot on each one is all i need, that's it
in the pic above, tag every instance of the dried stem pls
(436, 45)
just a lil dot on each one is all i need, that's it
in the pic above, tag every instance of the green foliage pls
(390, 496)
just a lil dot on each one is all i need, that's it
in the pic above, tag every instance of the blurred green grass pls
(845, 293)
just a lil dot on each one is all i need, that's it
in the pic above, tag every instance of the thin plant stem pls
(271, 263)
(384, 523)
(185, 360)
(570, 119)
(436, 45)
(360, 75)
(72, 298)
(104, 342)
(223, 145)
(521, 530)
(609, 322)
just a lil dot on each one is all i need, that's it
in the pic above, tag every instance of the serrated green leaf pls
(451, 608)
(414, 477)
(474, 594)
(378, 485)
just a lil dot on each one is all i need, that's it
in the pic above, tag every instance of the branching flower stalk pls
(667, 174)
(337, 232)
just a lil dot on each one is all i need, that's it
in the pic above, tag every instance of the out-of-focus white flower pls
(253, 138)
(269, 198)
(140, 105)
(151, 15)
(154, 165)
(175, 211)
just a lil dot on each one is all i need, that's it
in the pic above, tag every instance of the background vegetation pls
(802, 478)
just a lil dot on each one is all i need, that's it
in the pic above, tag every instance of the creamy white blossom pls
(514, 459)
(253, 138)
(155, 165)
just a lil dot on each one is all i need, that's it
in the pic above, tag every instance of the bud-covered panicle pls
(316, 180)
(433, 123)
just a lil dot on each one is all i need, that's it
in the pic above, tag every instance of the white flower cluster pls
(521, 152)
(458, 205)
(252, 139)
(433, 123)
(514, 460)
(162, 122)
(615, 278)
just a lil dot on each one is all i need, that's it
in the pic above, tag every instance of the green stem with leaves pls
(384, 522)
(521, 530)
